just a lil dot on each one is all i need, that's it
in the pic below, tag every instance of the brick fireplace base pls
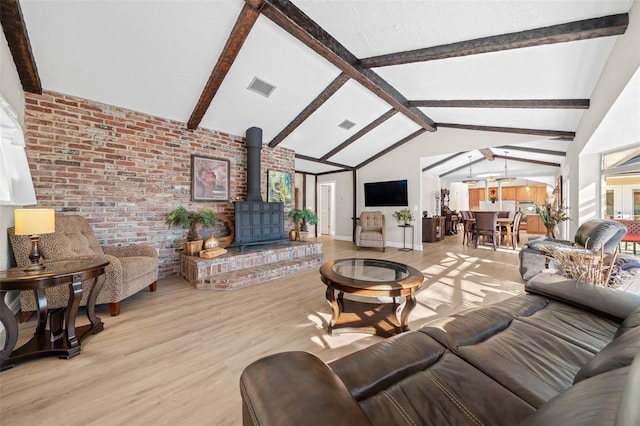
(264, 263)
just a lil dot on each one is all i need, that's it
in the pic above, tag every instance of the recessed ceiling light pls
(346, 124)
(261, 87)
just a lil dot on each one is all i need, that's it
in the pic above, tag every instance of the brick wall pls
(124, 170)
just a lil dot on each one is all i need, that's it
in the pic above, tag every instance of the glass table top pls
(371, 270)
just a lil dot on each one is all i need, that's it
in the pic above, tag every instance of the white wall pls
(430, 184)
(11, 90)
(344, 203)
(585, 192)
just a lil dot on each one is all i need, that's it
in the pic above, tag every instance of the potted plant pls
(551, 217)
(301, 218)
(191, 220)
(404, 215)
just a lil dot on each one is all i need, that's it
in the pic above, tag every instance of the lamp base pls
(34, 255)
(34, 267)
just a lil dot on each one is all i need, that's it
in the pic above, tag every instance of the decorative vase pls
(551, 231)
(293, 235)
(191, 248)
(211, 243)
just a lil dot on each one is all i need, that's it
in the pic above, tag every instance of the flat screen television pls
(386, 194)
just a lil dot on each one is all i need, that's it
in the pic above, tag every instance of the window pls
(609, 212)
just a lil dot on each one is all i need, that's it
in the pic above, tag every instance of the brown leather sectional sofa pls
(563, 354)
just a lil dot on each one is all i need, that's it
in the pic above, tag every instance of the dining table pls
(506, 222)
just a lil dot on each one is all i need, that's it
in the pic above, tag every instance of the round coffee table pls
(374, 278)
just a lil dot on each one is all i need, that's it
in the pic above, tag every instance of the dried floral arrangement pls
(584, 265)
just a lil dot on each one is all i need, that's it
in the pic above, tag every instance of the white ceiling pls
(156, 57)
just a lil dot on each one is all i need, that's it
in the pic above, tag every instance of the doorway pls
(326, 209)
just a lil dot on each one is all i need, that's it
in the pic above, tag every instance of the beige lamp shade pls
(35, 221)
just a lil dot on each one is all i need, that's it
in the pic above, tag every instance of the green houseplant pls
(301, 218)
(191, 220)
(404, 216)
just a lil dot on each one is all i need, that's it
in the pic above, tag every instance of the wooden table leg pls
(335, 307)
(41, 303)
(75, 294)
(11, 328)
(96, 322)
(408, 307)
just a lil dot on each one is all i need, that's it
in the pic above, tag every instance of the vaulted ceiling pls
(394, 70)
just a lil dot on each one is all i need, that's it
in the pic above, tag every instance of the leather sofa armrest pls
(296, 388)
(131, 250)
(602, 300)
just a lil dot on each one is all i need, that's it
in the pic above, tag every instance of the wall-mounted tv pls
(386, 194)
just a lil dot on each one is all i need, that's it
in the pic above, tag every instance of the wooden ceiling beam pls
(15, 31)
(392, 147)
(247, 18)
(443, 161)
(375, 123)
(310, 109)
(535, 132)
(298, 24)
(487, 153)
(464, 166)
(328, 163)
(534, 150)
(504, 103)
(578, 30)
(528, 160)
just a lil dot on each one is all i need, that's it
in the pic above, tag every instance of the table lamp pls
(34, 222)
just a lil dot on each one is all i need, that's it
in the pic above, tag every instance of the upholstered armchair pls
(371, 230)
(131, 269)
(591, 235)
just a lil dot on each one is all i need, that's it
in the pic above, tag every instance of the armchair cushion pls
(131, 268)
(371, 230)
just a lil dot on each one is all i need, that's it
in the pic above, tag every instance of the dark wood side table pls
(63, 338)
(383, 280)
(433, 229)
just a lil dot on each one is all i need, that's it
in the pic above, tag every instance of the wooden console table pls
(58, 340)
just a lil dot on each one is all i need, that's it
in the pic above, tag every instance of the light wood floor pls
(174, 357)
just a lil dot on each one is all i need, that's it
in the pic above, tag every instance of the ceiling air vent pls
(346, 124)
(261, 87)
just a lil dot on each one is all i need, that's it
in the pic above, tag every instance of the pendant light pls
(506, 178)
(469, 181)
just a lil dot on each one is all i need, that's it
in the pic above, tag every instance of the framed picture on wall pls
(279, 187)
(209, 178)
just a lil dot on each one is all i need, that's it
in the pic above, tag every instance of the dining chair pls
(486, 226)
(513, 234)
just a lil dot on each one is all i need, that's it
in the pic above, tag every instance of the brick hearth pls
(257, 265)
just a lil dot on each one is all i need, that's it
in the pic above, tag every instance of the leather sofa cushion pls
(591, 332)
(592, 402)
(450, 391)
(510, 343)
(475, 325)
(618, 353)
(367, 372)
(630, 322)
(530, 362)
